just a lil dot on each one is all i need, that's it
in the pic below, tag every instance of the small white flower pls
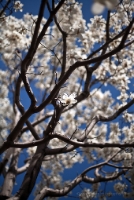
(131, 95)
(119, 187)
(18, 6)
(68, 99)
(99, 5)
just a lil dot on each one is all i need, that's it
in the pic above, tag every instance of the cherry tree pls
(66, 95)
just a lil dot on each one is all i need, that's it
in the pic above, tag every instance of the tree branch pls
(100, 118)
(5, 7)
(45, 192)
(21, 108)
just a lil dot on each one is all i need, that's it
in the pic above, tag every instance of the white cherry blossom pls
(68, 99)
(18, 6)
(99, 5)
(119, 187)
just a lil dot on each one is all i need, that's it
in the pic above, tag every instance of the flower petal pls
(65, 96)
(73, 95)
(73, 101)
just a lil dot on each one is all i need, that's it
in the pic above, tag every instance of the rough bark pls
(10, 177)
(31, 175)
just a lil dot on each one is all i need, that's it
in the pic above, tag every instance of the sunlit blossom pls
(68, 99)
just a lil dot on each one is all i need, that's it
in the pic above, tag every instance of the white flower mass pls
(66, 97)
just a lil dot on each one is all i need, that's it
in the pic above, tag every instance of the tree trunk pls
(31, 175)
(10, 176)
